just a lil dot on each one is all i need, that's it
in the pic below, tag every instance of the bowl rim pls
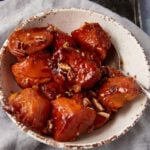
(52, 142)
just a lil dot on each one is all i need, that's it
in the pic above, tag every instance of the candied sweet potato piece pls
(30, 108)
(79, 98)
(77, 69)
(101, 119)
(92, 37)
(71, 119)
(86, 99)
(51, 89)
(90, 55)
(110, 72)
(62, 39)
(28, 41)
(33, 70)
(116, 91)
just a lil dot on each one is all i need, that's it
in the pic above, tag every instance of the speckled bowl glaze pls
(134, 62)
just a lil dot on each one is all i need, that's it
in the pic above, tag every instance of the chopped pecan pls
(97, 104)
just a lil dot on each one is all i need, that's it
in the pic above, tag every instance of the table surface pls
(138, 11)
(145, 12)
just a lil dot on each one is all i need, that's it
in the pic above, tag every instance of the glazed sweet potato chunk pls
(51, 89)
(62, 39)
(77, 69)
(92, 37)
(71, 119)
(30, 108)
(90, 55)
(101, 119)
(33, 70)
(28, 41)
(116, 91)
(110, 72)
(88, 99)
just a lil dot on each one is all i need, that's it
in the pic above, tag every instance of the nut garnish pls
(77, 50)
(40, 38)
(97, 104)
(93, 93)
(104, 114)
(50, 125)
(51, 28)
(82, 53)
(69, 93)
(70, 75)
(86, 102)
(76, 88)
(25, 81)
(65, 45)
(64, 66)
(59, 95)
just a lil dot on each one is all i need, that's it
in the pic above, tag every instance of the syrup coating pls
(29, 41)
(77, 70)
(71, 119)
(33, 70)
(117, 91)
(94, 38)
(31, 108)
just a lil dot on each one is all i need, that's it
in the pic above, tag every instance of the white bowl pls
(134, 62)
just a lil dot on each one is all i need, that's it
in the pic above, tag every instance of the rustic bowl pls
(134, 62)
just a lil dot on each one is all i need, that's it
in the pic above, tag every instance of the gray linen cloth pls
(12, 12)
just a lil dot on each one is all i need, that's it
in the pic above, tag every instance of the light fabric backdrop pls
(12, 12)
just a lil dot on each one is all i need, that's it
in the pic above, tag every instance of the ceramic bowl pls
(134, 62)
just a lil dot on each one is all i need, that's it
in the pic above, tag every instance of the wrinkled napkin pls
(12, 12)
